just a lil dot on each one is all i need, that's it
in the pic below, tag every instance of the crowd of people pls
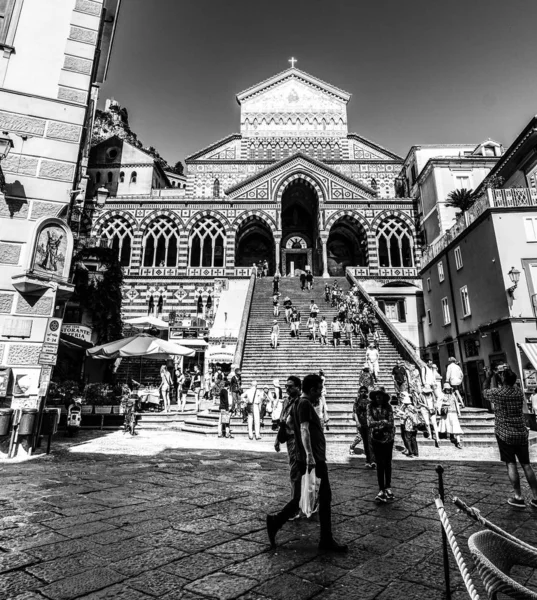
(355, 321)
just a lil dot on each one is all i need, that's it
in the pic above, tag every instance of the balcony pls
(33, 283)
(508, 198)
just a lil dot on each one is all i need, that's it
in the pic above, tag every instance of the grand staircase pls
(300, 356)
(341, 366)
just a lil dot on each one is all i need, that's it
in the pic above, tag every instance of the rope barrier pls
(456, 551)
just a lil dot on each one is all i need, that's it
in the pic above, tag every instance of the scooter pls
(74, 417)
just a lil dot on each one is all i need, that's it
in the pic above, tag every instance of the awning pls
(191, 343)
(530, 350)
(74, 343)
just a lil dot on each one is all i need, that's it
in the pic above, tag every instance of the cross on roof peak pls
(292, 60)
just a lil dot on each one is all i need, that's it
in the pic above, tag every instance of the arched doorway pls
(300, 228)
(347, 246)
(254, 244)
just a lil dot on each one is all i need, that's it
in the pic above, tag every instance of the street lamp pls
(514, 276)
(6, 143)
(102, 195)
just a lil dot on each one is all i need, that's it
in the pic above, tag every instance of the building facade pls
(293, 187)
(480, 278)
(55, 55)
(430, 172)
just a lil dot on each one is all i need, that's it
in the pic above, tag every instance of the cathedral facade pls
(293, 187)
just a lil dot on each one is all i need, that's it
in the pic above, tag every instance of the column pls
(277, 257)
(325, 258)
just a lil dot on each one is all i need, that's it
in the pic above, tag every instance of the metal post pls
(440, 470)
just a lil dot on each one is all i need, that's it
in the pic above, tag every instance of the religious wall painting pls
(51, 250)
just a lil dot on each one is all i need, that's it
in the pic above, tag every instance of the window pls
(98, 177)
(216, 188)
(450, 347)
(134, 177)
(119, 231)
(530, 225)
(440, 271)
(160, 244)
(465, 301)
(110, 177)
(122, 177)
(429, 318)
(462, 182)
(471, 348)
(6, 12)
(445, 311)
(458, 257)
(206, 244)
(496, 341)
(394, 244)
(428, 284)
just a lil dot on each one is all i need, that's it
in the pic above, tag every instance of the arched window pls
(134, 177)
(206, 244)
(110, 177)
(160, 244)
(98, 177)
(119, 231)
(122, 177)
(216, 188)
(394, 244)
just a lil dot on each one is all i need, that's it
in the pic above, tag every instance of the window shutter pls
(6, 10)
(382, 306)
(401, 312)
(529, 226)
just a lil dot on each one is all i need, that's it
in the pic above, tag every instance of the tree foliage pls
(461, 199)
(101, 294)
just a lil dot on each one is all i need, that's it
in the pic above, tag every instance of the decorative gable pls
(359, 150)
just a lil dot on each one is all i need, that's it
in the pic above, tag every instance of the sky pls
(421, 71)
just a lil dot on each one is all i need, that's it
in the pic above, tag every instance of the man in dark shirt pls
(400, 378)
(310, 447)
(511, 433)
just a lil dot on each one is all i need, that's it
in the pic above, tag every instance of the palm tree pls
(461, 199)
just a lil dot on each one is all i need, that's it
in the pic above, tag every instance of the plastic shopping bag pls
(308, 495)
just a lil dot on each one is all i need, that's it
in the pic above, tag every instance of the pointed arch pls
(119, 231)
(207, 243)
(395, 243)
(160, 243)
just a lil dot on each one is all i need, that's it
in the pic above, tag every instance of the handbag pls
(282, 436)
(226, 417)
(308, 495)
(444, 411)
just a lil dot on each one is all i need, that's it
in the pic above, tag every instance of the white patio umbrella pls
(142, 344)
(147, 321)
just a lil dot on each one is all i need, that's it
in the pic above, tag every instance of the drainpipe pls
(452, 295)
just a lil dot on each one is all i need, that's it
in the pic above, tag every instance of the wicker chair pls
(495, 556)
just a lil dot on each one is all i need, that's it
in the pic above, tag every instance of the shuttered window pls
(6, 12)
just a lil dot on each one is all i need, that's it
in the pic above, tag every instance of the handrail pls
(239, 350)
(388, 327)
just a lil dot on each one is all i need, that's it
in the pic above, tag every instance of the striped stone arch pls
(347, 213)
(398, 215)
(283, 184)
(103, 219)
(269, 221)
(224, 221)
(162, 213)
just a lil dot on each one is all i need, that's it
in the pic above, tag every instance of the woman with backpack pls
(382, 432)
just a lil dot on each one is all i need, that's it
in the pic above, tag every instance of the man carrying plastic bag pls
(311, 458)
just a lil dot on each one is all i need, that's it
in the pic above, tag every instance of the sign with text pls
(49, 348)
(46, 372)
(47, 359)
(52, 333)
(80, 332)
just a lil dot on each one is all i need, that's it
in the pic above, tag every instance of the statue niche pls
(50, 251)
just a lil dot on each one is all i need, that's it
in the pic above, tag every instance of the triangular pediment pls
(361, 148)
(291, 77)
(263, 186)
(226, 149)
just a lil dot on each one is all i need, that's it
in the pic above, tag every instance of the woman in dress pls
(449, 417)
(382, 432)
(277, 404)
(165, 386)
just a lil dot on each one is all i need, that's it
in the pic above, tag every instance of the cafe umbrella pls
(142, 344)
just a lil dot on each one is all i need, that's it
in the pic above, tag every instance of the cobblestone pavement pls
(113, 517)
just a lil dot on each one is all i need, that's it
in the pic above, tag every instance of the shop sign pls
(190, 333)
(530, 378)
(80, 332)
(47, 359)
(52, 334)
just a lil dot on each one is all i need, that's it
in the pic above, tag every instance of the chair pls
(495, 556)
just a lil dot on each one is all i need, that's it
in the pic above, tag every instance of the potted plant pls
(95, 395)
(104, 400)
(62, 393)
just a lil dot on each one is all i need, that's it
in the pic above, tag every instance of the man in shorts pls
(511, 432)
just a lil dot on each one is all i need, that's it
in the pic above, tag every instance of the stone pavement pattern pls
(96, 521)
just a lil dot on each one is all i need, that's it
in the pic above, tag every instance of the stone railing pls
(241, 338)
(502, 198)
(405, 348)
